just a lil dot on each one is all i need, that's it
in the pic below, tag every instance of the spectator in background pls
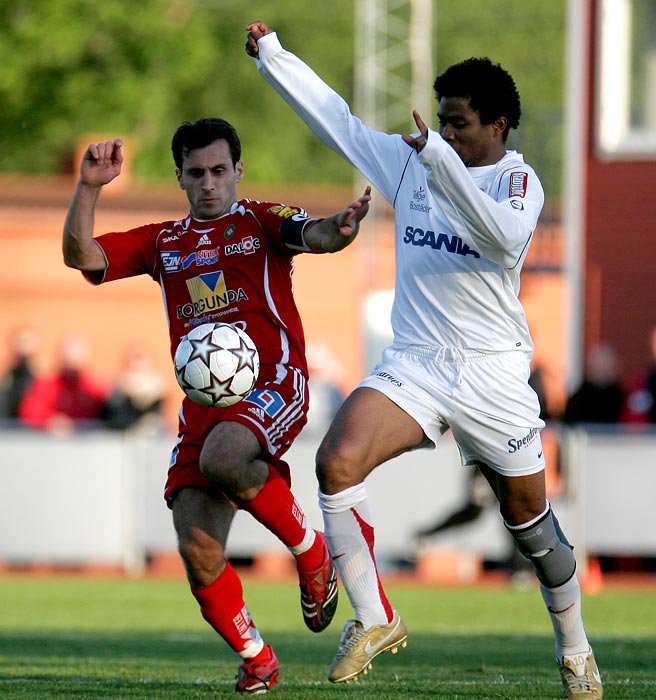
(135, 401)
(640, 404)
(68, 398)
(23, 344)
(326, 396)
(600, 396)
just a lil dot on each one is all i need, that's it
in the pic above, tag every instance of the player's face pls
(461, 128)
(210, 179)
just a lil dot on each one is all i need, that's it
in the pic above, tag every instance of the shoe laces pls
(351, 636)
(581, 682)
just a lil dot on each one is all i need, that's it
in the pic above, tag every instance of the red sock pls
(276, 508)
(264, 655)
(222, 605)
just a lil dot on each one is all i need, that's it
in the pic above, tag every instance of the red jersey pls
(237, 268)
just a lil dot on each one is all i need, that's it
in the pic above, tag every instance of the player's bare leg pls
(537, 534)
(232, 458)
(368, 430)
(202, 521)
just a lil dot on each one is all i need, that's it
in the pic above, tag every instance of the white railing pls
(96, 497)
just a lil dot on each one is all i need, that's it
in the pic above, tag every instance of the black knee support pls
(545, 545)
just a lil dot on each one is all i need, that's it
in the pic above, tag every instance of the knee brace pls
(547, 548)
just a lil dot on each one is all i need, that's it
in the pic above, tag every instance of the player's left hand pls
(353, 214)
(256, 30)
(417, 142)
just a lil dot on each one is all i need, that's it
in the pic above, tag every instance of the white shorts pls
(485, 399)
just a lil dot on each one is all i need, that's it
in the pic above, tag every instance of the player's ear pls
(501, 124)
(239, 170)
(178, 174)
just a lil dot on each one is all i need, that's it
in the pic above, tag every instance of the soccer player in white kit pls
(465, 211)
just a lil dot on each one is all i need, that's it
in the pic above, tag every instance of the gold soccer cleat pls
(358, 647)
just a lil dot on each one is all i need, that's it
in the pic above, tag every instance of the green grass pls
(68, 637)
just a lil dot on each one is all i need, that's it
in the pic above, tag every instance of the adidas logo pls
(256, 412)
(203, 240)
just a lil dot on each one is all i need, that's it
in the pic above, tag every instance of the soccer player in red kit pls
(229, 260)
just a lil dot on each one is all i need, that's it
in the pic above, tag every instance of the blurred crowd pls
(70, 396)
(604, 396)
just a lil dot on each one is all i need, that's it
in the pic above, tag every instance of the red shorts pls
(275, 411)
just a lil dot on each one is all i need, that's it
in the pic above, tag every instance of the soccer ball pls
(216, 364)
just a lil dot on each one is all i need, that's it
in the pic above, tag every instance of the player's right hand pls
(256, 30)
(417, 142)
(101, 162)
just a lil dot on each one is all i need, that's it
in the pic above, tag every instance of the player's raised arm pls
(256, 30)
(339, 230)
(101, 163)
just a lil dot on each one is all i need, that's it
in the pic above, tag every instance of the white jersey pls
(461, 233)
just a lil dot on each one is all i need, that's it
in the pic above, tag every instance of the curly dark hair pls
(202, 133)
(490, 89)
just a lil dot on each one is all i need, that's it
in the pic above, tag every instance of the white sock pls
(350, 536)
(564, 606)
(305, 544)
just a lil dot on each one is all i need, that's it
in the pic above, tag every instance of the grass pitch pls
(68, 637)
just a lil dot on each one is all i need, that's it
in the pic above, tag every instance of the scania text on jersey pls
(441, 241)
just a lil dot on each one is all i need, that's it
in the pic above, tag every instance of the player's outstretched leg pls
(222, 605)
(358, 647)
(377, 627)
(544, 544)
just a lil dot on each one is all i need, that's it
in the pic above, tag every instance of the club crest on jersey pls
(209, 293)
(284, 211)
(518, 182)
(229, 232)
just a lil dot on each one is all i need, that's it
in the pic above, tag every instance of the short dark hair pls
(490, 89)
(202, 133)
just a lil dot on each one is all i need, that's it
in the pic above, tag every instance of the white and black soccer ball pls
(216, 364)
